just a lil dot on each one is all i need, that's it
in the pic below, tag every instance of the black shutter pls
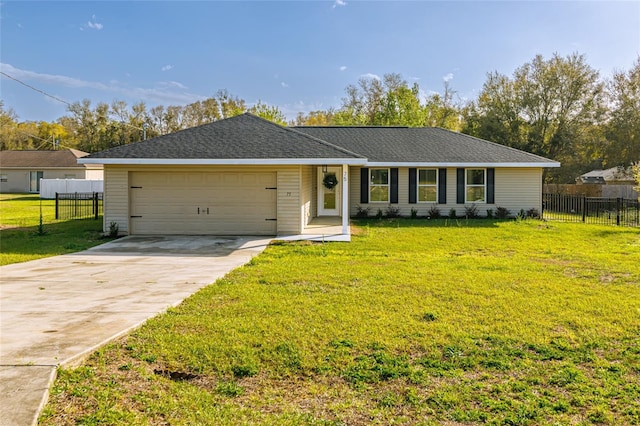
(413, 186)
(491, 186)
(442, 186)
(460, 186)
(364, 185)
(394, 185)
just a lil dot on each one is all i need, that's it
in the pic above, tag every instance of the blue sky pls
(298, 55)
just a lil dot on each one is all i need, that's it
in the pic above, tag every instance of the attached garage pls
(203, 203)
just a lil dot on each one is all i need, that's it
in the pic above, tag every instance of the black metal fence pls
(78, 205)
(578, 208)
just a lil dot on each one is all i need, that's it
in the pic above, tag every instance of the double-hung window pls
(427, 185)
(379, 185)
(475, 185)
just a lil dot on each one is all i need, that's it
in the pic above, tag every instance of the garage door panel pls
(203, 203)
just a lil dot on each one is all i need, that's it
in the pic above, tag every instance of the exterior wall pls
(289, 194)
(515, 189)
(94, 174)
(306, 191)
(18, 179)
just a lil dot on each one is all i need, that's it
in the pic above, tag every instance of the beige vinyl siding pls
(116, 198)
(306, 199)
(18, 179)
(289, 197)
(515, 189)
(288, 183)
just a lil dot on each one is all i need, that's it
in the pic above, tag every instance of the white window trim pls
(4, 177)
(388, 185)
(467, 185)
(429, 185)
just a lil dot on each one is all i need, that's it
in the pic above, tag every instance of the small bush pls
(113, 229)
(362, 212)
(392, 211)
(489, 213)
(521, 215)
(379, 214)
(471, 212)
(434, 212)
(502, 213)
(452, 214)
(414, 213)
(533, 214)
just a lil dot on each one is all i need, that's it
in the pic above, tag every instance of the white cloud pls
(448, 77)
(283, 84)
(165, 92)
(371, 76)
(339, 3)
(93, 24)
(342, 68)
(166, 67)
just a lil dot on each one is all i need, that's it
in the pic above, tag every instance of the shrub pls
(362, 212)
(452, 214)
(502, 213)
(533, 214)
(379, 214)
(521, 215)
(471, 212)
(392, 211)
(489, 213)
(414, 213)
(434, 212)
(113, 229)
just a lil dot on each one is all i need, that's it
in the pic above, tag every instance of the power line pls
(58, 99)
(36, 89)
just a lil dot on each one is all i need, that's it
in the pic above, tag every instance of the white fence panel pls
(49, 187)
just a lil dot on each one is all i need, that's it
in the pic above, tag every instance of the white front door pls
(329, 196)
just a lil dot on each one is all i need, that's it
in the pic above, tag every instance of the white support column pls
(345, 199)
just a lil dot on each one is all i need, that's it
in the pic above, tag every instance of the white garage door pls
(203, 203)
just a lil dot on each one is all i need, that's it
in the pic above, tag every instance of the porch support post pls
(345, 199)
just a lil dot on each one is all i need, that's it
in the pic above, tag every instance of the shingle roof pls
(614, 174)
(44, 159)
(248, 139)
(242, 137)
(420, 145)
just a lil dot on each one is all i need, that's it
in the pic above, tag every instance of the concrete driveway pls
(56, 311)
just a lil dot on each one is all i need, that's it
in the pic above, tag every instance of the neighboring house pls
(246, 175)
(612, 176)
(21, 171)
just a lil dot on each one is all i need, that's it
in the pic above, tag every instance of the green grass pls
(413, 322)
(22, 238)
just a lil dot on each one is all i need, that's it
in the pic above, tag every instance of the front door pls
(329, 191)
(34, 181)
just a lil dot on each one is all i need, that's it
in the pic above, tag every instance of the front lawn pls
(22, 238)
(413, 322)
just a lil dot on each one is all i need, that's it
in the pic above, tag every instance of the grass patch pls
(23, 238)
(413, 322)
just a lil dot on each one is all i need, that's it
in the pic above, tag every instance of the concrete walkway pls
(56, 311)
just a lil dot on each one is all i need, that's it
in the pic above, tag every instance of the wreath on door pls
(330, 181)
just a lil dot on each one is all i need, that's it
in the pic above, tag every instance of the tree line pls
(559, 108)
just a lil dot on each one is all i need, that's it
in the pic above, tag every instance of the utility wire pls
(36, 89)
(55, 97)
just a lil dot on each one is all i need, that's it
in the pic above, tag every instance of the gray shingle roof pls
(242, 137)
(253, 139)
(420, 145)
(67, 158)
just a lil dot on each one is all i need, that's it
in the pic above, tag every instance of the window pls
(475, 185)
(3, 178)
(69, 176)
(379, 185)
(427, 185)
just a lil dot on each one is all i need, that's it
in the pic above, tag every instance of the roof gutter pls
(460, 164)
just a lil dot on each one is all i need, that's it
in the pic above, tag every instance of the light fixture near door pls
(324, 168)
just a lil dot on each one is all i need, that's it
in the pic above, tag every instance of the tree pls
(622, 131)
(549, 107)
(268, 112)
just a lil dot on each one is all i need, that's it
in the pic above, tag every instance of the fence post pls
(618, 210)
(584, 208)
(95, 205)
(57, 200)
